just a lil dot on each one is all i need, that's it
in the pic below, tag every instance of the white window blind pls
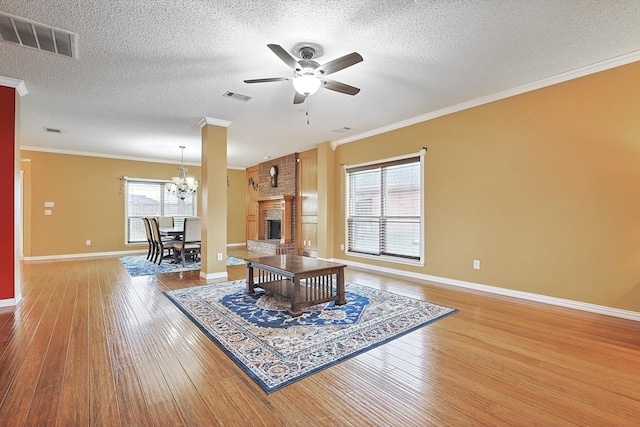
(384, 209)
(151, 199)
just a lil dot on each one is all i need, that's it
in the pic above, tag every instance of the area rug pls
(276, 349)
(140, 266)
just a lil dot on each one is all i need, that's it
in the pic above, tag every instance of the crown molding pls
(110, 156)
(19, 85)
(102, 155)
(539, 84)
(212, 121)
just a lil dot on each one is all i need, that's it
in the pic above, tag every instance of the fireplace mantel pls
(283, 203)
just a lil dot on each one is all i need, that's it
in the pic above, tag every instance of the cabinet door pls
(309, 239)
(253, 179)
(308, 203)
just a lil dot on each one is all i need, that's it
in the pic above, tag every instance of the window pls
(147, 198)
(384, 203)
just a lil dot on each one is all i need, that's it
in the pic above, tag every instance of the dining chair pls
(190, 240)
(150, 240)
(165, 222)
(161, 244)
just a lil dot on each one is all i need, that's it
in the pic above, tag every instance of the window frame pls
(163, 192)
(419, 261)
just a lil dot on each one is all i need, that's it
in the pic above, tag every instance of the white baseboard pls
(9, 302)
(101, 254)
(87, 255)
(214, 276)
(593, 308)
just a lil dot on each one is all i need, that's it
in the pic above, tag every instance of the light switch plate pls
(48, 204)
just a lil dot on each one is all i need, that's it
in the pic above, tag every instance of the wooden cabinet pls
(307, 203)
(253, 179)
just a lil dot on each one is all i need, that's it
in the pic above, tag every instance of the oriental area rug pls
(275, 349)
(140, 266)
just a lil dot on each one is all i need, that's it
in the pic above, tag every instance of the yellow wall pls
(543, 188)
(89, 201)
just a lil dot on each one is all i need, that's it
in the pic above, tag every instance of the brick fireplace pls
(269, 209)
(275, 201)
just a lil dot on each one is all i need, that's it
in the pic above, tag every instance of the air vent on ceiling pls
(342, 129)
(52, 130)
(33, 35)
(237, 96)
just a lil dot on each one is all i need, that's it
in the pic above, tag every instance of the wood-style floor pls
(89, 345)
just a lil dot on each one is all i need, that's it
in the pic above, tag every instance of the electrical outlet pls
(88, 243)
(219, 256)
(342, 247)
(47, 211)
(476, 264)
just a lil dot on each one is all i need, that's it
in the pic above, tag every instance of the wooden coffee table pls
(284, 274)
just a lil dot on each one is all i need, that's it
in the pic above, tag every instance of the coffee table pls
(303, 281)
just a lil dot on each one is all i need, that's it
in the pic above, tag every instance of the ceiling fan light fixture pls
(306, 84)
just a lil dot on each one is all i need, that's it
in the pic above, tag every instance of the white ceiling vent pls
(237, 96)
(340, 130)
(31, 34)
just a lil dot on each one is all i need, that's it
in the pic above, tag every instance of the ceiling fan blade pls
(339, 64)
(299, 99)
(283, 55)
(271, 79)
(339, 87)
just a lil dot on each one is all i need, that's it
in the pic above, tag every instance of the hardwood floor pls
(89, 345)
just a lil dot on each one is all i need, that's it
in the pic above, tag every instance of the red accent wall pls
(7, 196)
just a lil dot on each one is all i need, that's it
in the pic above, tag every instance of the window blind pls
(384, 209)
(151, 199)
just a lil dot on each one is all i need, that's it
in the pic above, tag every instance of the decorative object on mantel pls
(253, 183)
(183, 186)
(274, 176)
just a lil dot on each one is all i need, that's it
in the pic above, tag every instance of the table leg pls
(250, 285)
(296, 309)
(342, 300)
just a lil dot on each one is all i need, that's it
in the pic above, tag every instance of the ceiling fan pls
(309, 75)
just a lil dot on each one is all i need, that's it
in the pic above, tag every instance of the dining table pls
(175, 232)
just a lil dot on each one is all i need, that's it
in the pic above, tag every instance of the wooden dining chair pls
(162, 245)
(152, 244)
(190, 243)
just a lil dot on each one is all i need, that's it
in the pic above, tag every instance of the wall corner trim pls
(212, 121)
(19, 85)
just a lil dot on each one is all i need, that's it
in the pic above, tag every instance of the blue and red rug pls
(276, 349)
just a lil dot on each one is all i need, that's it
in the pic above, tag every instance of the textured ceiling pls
(148, 71)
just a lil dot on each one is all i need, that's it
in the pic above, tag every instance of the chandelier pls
(183, 186)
